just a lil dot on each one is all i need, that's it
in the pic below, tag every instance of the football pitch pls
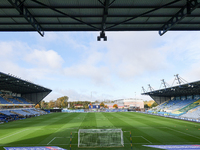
(55, 129)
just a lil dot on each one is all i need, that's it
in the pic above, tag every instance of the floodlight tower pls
(150, 88)
(165, 84)
(179, 80)
(144, 91)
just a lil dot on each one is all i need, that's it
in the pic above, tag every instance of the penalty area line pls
(55, 138)
(143, 138)
(183, 133)
(146, 139)
(51, 141)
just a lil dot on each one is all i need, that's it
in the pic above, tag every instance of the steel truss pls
(185, 11)
(19, 5)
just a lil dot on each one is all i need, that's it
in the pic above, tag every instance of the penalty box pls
(124, 138)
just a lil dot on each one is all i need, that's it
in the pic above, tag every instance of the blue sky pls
(75, 64)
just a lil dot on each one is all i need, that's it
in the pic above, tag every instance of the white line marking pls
(55, 138)
(51, 141)
(143, 138)
(63, 137)
(77, 144)
(146, 140)
(136, 143)
(13, 134)
(184, 133)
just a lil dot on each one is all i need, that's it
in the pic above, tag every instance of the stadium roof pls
(17, 85)
(187, 89)
(192, 88)
(99, 15)
(27, 89)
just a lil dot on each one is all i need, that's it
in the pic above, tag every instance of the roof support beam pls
(19, 5)
(185, 11)
(65, 15)
(143, 14)
(103, 24)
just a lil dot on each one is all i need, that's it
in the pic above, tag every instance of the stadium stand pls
(175, 105)
(23, 100)
(2, 118)
(179, 107)
(18, 98)
(3, 101)
(42, 112)
(22, 112)
(7, 113)
(181, 101)
(14, 101)
(193, 113)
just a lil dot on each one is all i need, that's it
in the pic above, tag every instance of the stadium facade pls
(125, 103)
(131, 102)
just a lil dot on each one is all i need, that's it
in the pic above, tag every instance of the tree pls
(102, 104)
(37, 106)
(154, 104)
(149, 104)
(86, 107)
(146, 106)
(43, 104)
(51, 104)
(105, 106)
(115, 106)
(62, 101)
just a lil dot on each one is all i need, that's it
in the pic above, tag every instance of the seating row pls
(14, 100)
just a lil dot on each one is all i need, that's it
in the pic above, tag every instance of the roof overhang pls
(99, 15)
(187, 89)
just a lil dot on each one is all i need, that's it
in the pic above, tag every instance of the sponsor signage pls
(35, 148)
(176, 147)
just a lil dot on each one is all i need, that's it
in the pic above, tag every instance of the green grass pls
(54, 130)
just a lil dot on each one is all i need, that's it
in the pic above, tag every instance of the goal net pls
(100, 138)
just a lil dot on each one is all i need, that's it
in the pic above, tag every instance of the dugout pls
(55, 110)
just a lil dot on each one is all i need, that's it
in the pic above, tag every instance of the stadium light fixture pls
(102, 36)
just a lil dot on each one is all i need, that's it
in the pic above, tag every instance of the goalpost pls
(100, 138)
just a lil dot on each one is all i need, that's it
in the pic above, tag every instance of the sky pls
(76, 65)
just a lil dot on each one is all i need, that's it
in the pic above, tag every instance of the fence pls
(93, 110)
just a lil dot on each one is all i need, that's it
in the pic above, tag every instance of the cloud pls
(75, 95)
(43, 58)
(182, 52)
(91, 66)
(112, 69)
(12, 50)
(21, 60)
(131, 54)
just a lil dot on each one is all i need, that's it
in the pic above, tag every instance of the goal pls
(100, 138)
